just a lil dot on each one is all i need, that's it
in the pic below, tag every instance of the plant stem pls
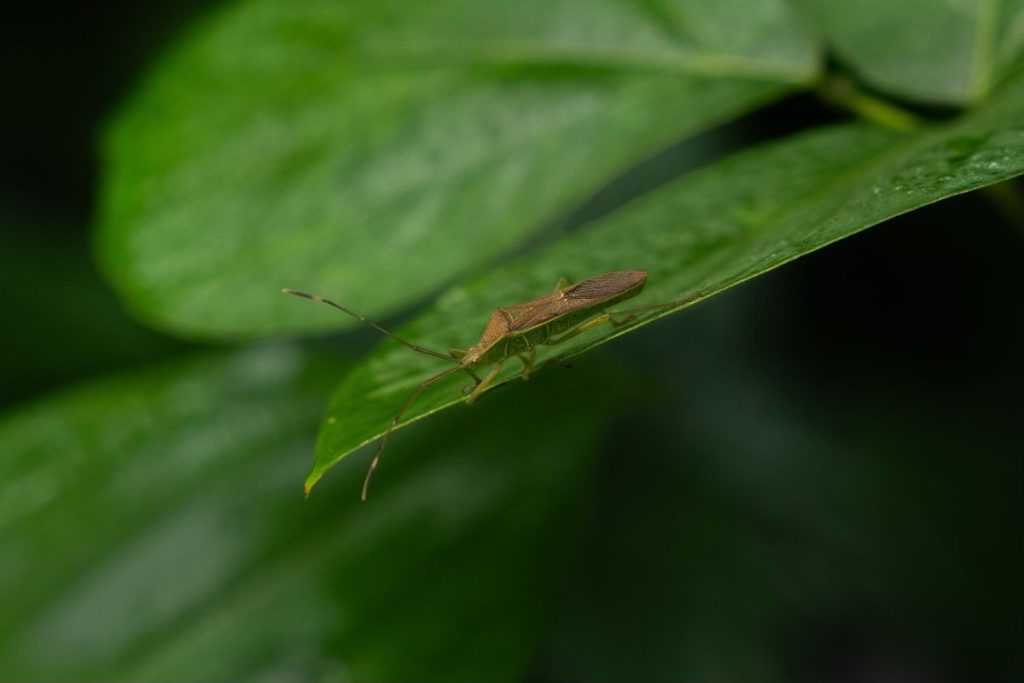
(1008, 201)
(841, 91)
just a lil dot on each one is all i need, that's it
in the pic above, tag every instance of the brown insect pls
(518, 330)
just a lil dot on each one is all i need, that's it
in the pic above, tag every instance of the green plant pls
(331, 148)
(393, 156)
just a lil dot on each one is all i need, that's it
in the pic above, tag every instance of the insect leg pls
(459, 353)
(580, 329)
(620, 318)
(484, 383)
(527, 363)
(562, 283)
(394, 422)
(661, 307)
(565, 365)
(616, 319)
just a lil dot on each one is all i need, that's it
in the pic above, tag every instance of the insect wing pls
(538, 311)
(573, 298)
(607, 286)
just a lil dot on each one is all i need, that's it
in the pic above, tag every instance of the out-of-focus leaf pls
(53, 294)
(372, 151)
(944, 52)
(92, 475)
(698, 236)
(153, 528)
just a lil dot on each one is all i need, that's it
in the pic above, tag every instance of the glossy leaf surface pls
(153, 528)
(940, 52)
(374, 151)
(700, 235)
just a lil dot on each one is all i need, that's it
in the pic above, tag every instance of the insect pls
(517, 331)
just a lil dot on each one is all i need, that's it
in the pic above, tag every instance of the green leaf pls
(941, 52)
(374, 151)
(697, 236)
(86, 470)
(152, 527)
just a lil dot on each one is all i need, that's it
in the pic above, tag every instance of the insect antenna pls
(394, 422)
(367, 321)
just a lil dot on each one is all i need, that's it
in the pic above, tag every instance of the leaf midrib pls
(530, 53)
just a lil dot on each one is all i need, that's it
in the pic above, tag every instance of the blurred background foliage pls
(816, 476)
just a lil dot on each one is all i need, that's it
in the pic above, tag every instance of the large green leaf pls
(376, 150)
(152, 528)
(950, 52)
(695, 237)
(99, 467)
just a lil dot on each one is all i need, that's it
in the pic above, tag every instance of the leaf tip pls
(311, 481)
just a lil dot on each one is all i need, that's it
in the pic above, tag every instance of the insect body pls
(516, 331)
(513, 330)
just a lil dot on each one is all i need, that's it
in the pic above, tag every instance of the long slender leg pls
(459, 353)
(528, 358)
(394, 422)
(527, 363)
(620, 318)
(616, 319)
(660, 307)
(484, 383)
(562, 283)
(580, 329)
